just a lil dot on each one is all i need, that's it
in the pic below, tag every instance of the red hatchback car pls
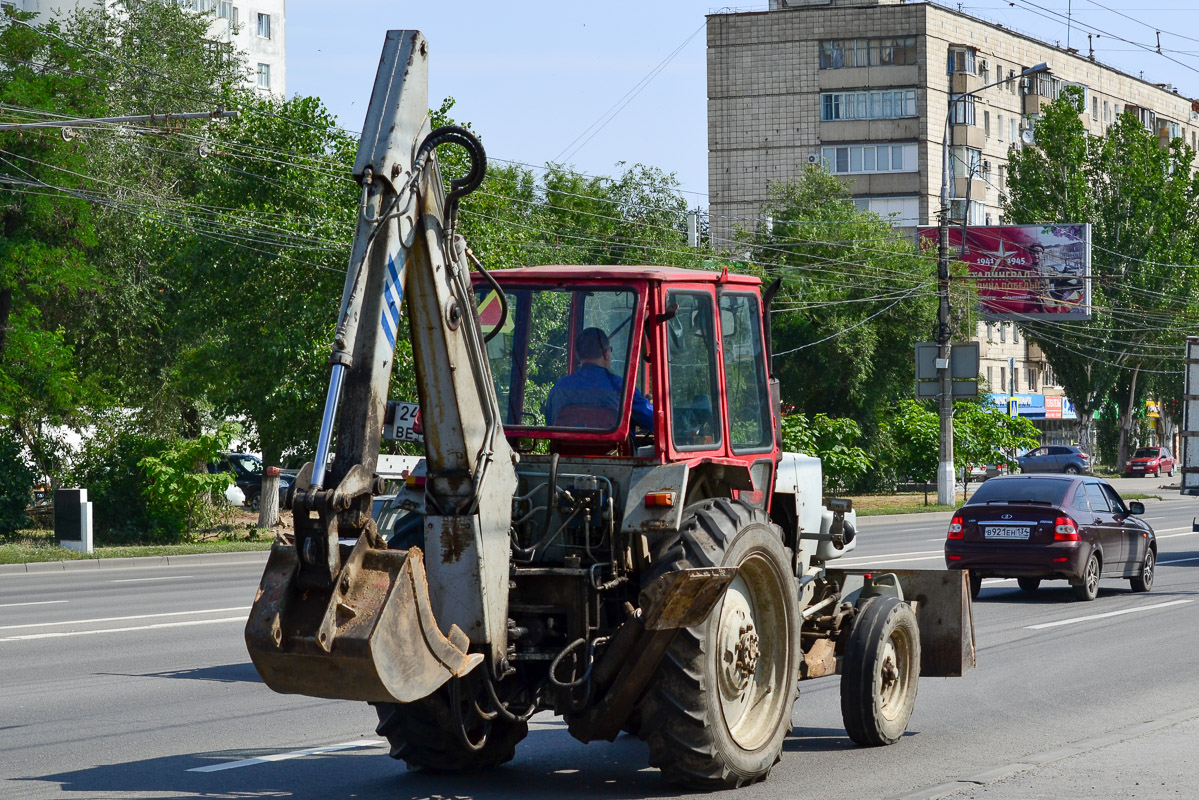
(1150, 461)
(1050, 527)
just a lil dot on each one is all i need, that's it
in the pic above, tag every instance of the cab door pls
(750, 430)
(694, 414)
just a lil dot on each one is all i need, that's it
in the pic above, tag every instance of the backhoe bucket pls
(371, 637)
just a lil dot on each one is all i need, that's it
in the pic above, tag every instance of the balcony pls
(977, 188)
(968, 136)
(965, 83)
(1033, 352)
(1035, 103)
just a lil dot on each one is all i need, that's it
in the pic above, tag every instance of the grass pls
(38, 545)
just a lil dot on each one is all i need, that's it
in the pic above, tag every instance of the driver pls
(595, 387)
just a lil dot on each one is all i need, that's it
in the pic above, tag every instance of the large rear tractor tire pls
(425, 734)
(716, 712)
(881, 672)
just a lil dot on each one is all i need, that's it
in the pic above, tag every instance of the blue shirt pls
(594, 387)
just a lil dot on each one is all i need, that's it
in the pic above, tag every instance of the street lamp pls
(946, 479)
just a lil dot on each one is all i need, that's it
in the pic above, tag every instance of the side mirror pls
(1136, 507)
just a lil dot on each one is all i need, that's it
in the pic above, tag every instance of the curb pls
(196, 559)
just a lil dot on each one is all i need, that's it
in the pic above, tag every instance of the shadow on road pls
(548, 764)
(227, 673)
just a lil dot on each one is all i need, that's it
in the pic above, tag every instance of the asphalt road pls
(132, 681)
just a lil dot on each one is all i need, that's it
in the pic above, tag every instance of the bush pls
(108, 468)
(16, 486)
(181, 489)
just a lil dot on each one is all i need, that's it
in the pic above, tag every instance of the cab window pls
(691, 343)
(745, 373)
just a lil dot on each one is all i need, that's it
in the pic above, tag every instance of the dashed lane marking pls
(1121, 612)
(35, 603)
(142, 580)
(311, 751)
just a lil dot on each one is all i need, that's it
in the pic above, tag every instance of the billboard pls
(1024, 270)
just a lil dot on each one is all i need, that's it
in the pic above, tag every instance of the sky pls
(595, 84)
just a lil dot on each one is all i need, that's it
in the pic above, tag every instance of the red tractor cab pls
(685, 376)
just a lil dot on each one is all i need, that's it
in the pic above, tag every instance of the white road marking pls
(1179, 560)
(899, 555)
(1168, 530)
(37, 603)
(140, 580)
(124, 619)
(867, 561)
(1174, 535)
(1121, 612)
(24, 637)
(312, 751)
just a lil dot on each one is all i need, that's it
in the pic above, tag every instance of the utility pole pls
(946, 480)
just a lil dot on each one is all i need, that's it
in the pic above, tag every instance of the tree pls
(1141, 201)
(855, 299)
(45, 231)
(260, 302)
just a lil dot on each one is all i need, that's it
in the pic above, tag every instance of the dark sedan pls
(1050, 527)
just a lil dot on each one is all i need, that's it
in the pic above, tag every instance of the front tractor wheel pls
(881, 672)
(428, 735)
(717, 710)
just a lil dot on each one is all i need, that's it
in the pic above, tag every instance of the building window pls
(1015, 380)
(961, 59)
(1002, 335)
(987, 124)
(867, 158)
(1107, 113)
(999, 74)
(964, 161)
(1003, 379)
(1095, 109)
(902, 212)
(1011, 81)
(1032, 379)
(990, 336)
(1015, 129)
(225, 10)
(962, 111)
(990, 376)
(1046, 85)
(883, 52)
(264, 26)
(887, 104)
(1002, 177)
(984, 72)
(1015, 334)
(1000, 127)
(264, 76)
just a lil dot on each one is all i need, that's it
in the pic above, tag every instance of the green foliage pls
(983, 434)
(180, 488)
(832, 439)
(915, 432)
(107, 467)
(1142, 201)
(16, 486)
(854, 301)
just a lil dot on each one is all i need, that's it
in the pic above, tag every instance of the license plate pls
(1006, 531)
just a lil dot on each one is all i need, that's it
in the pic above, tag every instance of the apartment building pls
(864, 88)
(254, 28)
